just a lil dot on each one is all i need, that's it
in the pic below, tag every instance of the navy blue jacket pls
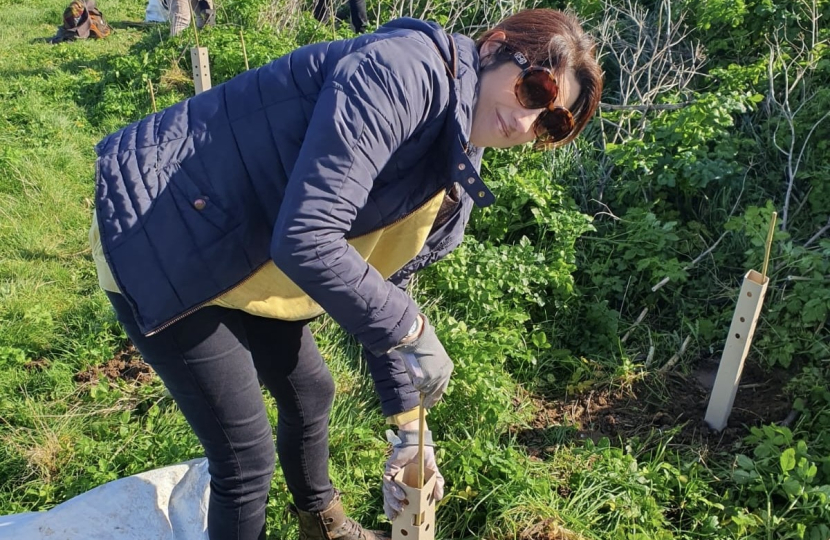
(285, 163)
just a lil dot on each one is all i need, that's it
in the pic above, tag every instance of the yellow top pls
(270, 293)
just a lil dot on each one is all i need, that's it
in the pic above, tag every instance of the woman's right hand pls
(427, 363)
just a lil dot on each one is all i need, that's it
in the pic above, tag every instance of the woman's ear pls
(489, 48)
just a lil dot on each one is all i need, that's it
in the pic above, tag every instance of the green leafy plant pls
(782, 475)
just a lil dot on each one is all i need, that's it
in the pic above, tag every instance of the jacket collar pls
(465, 157)
(461, 61)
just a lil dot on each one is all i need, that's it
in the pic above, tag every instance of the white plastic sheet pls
(157, 11)
(163, 504)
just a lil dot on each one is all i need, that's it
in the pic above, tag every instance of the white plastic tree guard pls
(417, 520)
(737, 347)
(163, 504)
(739, 340)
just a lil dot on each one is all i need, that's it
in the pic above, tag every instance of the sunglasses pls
(536, 88)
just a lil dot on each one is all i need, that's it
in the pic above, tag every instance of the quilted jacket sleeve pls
(392, 382)
(373, 101)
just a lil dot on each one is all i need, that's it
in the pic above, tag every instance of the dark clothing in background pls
(357, 9)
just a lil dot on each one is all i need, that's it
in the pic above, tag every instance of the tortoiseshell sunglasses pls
(536, 88)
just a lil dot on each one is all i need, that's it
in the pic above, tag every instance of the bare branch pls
(655, 56)
(793, 76)
(636, 323)
(691, 265)
(648, 107)
(807, 139)
(818, 234)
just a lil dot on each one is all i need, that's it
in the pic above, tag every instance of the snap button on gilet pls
(199, 204)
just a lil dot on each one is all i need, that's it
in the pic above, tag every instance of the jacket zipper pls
(194, 309)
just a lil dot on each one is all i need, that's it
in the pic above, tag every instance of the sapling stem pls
(422, 424)
(152, 94)
(193, 23)
(244, 52)
(768, 245)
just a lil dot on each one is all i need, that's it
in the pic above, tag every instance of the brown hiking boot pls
(332, 524)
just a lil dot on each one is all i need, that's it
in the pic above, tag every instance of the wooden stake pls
(244, 52)
(152, 95)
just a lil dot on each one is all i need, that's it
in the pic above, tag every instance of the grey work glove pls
(405, 451)
(427, 363)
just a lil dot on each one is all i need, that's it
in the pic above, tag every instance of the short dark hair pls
(556, 40)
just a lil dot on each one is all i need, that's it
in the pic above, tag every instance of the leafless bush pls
(285, 14)
(653, 56)
(457, 14)
(792, 60)
(466, 16)
(648, 55)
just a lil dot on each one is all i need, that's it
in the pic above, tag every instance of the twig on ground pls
(689, 266)
(802, 278)
(607, 212)
(711, 248)
(651, 350)
(673, 360)
(636, 323)
(790, 419)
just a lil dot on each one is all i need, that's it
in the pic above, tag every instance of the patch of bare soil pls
(548, 530)
(662, 404)
(38, 364)
(127, 365)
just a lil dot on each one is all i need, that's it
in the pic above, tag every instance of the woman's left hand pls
(427, 363)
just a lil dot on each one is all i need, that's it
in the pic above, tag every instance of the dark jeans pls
(357, 8)
(210, 362)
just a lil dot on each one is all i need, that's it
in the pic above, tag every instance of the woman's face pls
(499, 121)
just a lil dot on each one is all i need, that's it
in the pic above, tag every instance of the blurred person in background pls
(318, 183)
(178, 13)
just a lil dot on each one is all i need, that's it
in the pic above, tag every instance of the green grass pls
(510, 312)
(46, 283)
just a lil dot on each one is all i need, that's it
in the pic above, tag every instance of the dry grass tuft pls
(175, 78)
(46, 449)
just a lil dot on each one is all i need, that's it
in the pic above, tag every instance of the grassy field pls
(557, 424)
